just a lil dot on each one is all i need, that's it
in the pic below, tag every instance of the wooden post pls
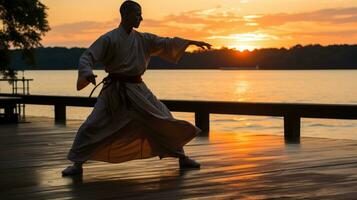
(202, 121)
(292, 128)
(60, 113)
(28, 87)
(10, 115)
(9, 109)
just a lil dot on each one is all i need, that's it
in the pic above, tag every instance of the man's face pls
(135, 18)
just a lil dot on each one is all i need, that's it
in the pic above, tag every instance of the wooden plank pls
(9, 99)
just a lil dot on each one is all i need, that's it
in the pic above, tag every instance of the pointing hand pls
(202, 45)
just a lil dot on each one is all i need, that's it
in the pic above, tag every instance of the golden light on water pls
(241, 87)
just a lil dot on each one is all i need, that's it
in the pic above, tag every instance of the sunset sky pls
(243, 24)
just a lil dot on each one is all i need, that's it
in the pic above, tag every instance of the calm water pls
(318, 86)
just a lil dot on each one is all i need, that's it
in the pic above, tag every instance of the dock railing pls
(291, 112)
(19, 86)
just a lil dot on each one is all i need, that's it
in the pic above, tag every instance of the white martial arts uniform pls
(114, 132)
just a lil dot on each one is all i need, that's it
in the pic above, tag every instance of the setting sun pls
(243, 47)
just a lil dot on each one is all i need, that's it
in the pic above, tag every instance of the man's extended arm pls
(170, 49)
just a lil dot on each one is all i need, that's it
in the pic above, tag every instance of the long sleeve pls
(95, 53)
(170, 49)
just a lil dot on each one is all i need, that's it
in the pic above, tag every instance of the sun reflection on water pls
(241, 88)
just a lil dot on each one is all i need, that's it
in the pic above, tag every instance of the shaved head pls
(128, 7)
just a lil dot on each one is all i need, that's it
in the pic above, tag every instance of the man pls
(128, 122)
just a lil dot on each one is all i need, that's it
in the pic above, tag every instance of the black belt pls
(122, 86)
(124, 79)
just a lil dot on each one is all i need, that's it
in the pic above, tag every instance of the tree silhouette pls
(23, 22)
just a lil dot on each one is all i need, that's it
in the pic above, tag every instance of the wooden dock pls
(234, 166)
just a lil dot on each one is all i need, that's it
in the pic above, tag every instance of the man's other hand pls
(91, 79)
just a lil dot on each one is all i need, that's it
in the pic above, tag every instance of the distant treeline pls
(297, 57)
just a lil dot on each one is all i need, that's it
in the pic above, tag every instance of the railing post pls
(60, 112)
(292, 128)
(202, 121)
(10, 114)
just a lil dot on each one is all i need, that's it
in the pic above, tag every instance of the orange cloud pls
(228, 27)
